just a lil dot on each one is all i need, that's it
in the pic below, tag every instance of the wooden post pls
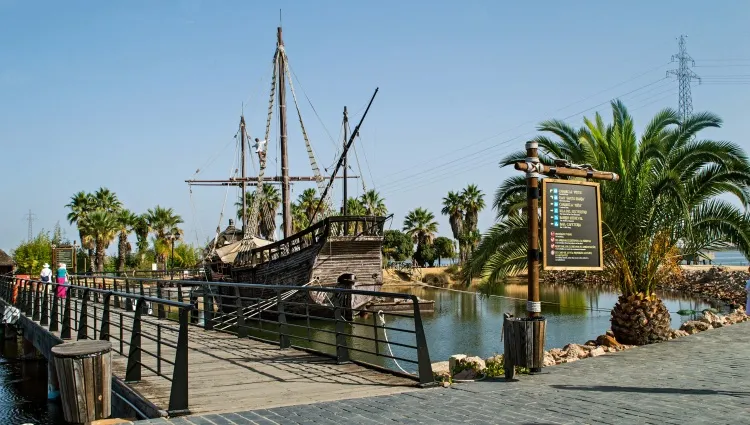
(344, 210)
(533, 306)
(84, 372)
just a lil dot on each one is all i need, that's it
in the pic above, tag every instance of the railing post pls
(54, 313)
(36, 314)
(208, 309)
(83, 316)
(178, 396)
(128, 301)
(104, 330)
(44, 320)
(133, 369)
(342, 350)
(28, 294)
(65, 331)
(160, 312)
(283, 328)
(423, 353)
(117, 297)
(241, 329)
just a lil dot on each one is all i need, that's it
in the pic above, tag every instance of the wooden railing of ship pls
(355, 226)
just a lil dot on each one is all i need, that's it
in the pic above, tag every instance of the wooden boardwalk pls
(227, 373)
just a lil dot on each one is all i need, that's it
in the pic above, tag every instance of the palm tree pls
(308, 200)
(299, 218)
(355, 207)
(141, 229)
(163, 221)
(267, 209)
(420, 225)
(81, 205)
(373, 204)
(473, 203)
(102, 227)
(126, 221)
(105, 199)
(453, 207)
(665, 204)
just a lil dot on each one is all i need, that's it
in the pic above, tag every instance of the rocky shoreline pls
(461, 367)
(717, 283)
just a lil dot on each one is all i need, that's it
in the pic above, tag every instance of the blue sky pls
(137, 95)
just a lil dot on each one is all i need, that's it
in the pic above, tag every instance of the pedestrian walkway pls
(703, 378)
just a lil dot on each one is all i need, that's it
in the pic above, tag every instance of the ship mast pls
(285, 195)
(346, 198)
(244, 173)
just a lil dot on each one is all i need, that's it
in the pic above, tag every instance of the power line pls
(684, 76)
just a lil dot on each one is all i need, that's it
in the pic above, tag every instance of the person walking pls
(46, 274)
(62, 277)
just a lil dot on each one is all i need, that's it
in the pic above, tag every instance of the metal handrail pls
(33, 299)
(273, 317)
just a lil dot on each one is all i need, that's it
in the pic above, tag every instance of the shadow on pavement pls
(651, 390)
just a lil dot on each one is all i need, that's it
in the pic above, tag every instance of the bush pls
(436, 279)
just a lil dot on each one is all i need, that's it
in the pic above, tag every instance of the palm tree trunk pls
(122, 247)
(100, 252)
(92, 260)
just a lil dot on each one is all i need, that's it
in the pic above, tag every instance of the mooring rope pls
(381, 318)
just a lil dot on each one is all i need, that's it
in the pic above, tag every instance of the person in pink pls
(62, 277)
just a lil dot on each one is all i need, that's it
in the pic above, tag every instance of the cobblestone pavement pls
(703, 378)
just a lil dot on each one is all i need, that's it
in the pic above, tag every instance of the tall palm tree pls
(308, 200)
(105, 199)
(355, 207)
(453, 207)
(300, 221)
(373, 204)
(420, 225)
(163, 221)
(102, 227)
(126, 221)
(141, 229)
(666, 203)
(267, 210)
(473, 203)
(81, 205)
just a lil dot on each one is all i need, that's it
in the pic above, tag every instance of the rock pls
(479, 364)
(441, 367)
(607, 341)
(549, 359)
(596, 352)
(713, 319)
(496, 359)
(591, 343)
(575, 351)
(445, 384)
(694, 326)
(453, 361)
(465, 374)
(610, 333)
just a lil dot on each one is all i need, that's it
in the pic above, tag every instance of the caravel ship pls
(332, 245)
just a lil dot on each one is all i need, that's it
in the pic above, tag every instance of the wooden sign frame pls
(56, 259)
(597, 187)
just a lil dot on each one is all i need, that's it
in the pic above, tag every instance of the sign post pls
(64, 254)
(571, 240)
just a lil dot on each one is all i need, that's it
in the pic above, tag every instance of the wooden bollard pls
(84, 373)
(523, 343)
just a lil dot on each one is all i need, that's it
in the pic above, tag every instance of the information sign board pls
(571, 225)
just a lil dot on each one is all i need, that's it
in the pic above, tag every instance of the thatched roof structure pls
(5, 259)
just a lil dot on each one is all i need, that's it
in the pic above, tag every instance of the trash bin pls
(523, 343)
(84, 372)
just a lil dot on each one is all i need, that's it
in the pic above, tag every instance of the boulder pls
(607, 341)
(453, 361)
(479, 364)
(575, 351)
(496, 359)
(549, 359)
(596, 352)
(440, 367)
(713, 319)
(591, 343)
(465, 374)
(695, 326)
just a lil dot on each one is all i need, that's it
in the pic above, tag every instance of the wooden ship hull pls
(317, 256)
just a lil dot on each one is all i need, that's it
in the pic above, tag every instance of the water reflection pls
(23, 388)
